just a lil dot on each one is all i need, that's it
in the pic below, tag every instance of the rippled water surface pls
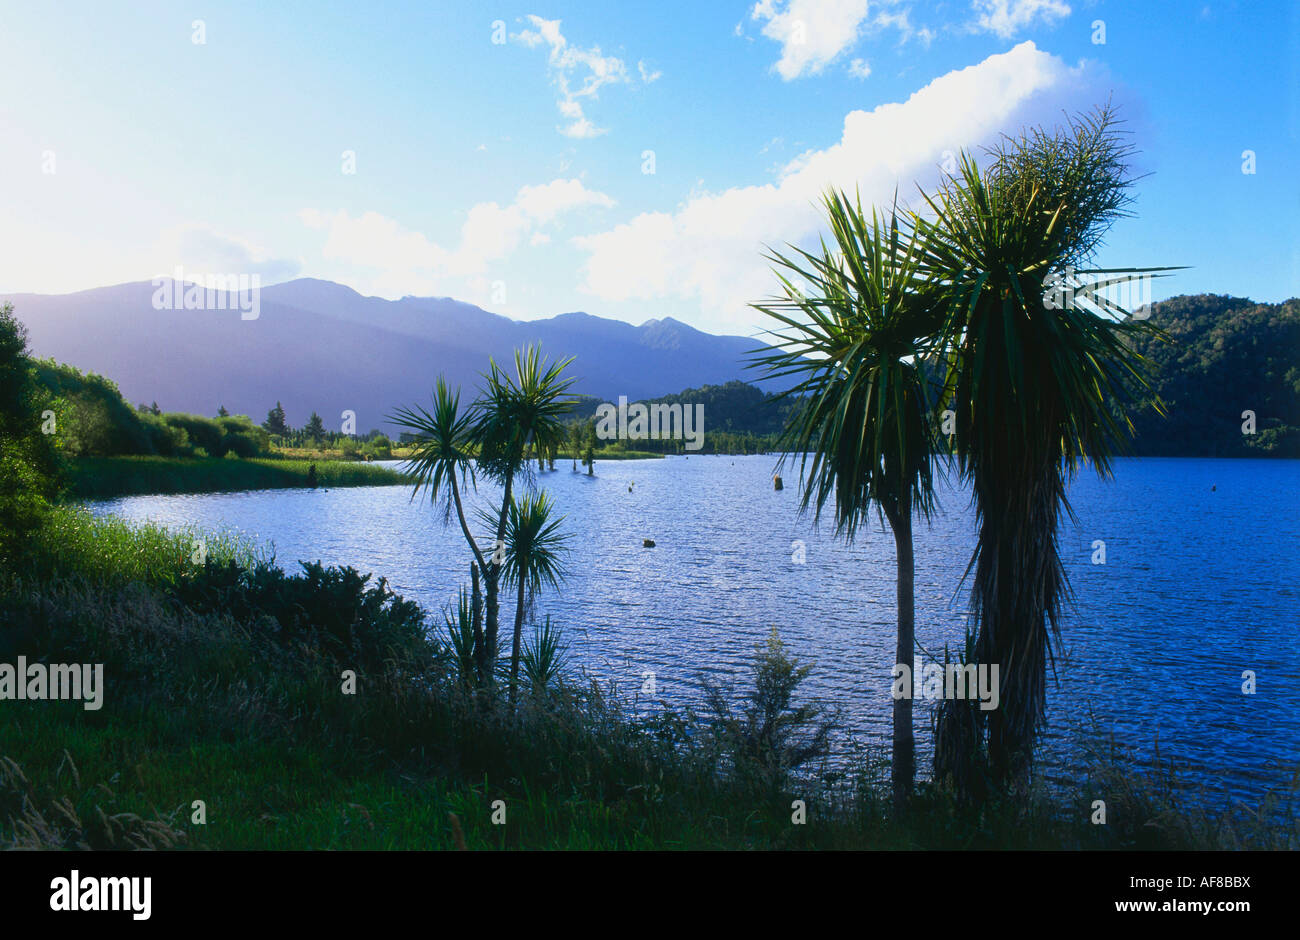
(1200, 584)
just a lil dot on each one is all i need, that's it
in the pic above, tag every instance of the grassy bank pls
(105, 477)
(223, 683)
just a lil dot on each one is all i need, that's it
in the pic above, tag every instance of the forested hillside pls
(1225, 356)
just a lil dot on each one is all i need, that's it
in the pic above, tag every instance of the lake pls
(1200, 583)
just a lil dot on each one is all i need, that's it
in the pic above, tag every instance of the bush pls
(29, 462)
(206, 434)
(770, 738)
(331, 609)
(92, 417)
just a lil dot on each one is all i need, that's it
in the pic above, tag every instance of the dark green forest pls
(1224, 356)
(1221, 356)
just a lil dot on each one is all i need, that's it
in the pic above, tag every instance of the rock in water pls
(647, 543)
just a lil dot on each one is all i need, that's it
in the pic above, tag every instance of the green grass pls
(107, 477)
(108, 550)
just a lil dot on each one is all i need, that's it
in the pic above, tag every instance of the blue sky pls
(514, 173)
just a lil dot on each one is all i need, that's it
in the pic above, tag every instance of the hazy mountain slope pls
(321, 346)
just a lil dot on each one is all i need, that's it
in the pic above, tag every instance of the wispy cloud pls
(578, 73)
(1008, 17)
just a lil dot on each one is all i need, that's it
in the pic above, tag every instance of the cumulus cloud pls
(408, 262)
(1008, 17)
(812, 33)
(709, 250)
(578, 73)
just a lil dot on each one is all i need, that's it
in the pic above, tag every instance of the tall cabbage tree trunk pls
(903, 768)
(492, 576)
(514, 649)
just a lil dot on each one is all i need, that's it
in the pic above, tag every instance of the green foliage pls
(93, 420)
(29, 462)
(544, 658)
(1222, 356)
(534, 543)
(106, 550)
(771, 737)
(315, 427)
(107, 477)
(207, 434)
(332, 610)
(1036, 390)
(92, 417)
(275, 422)
(852, 327)
(517, 415)
(526, 408)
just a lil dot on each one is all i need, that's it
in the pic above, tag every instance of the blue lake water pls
(1201, 583)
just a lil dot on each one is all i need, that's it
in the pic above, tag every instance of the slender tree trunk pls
(481, 659)
(492, 576)
(904, 763)
(514, 650)
(476, 619)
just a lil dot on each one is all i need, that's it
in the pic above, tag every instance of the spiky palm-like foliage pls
(854, 324)
(442, 464)
(534, 545)
(544, 659)
(1037, 388)
(517, 411)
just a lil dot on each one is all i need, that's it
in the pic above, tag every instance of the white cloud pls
(860, 68)
(709, 250)
(409, 262)
(811, 32)
(543, 203)
(1007, 17)
(578, 73)
(814, 33)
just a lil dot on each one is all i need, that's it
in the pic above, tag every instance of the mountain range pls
(319, 346)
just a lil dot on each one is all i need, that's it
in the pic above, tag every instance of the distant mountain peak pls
(324, 347)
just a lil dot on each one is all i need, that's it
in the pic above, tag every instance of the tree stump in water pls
(777, 484)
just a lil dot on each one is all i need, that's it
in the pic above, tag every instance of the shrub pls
(206, 434)
(333, 609)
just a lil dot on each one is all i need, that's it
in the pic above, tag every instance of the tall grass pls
(107, 477)
(108, 550)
